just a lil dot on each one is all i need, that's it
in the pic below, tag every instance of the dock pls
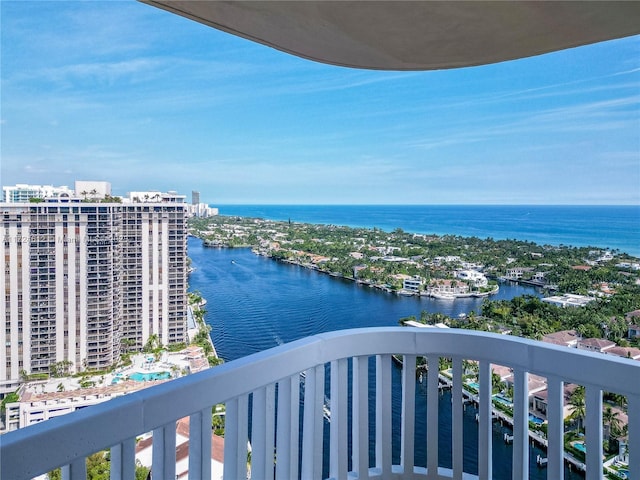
(503, 418)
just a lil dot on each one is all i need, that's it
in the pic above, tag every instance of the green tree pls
(578, 405)
(610, 417)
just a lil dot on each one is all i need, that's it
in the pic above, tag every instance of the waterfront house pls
(473, 277)
(634, 331)
(540, 401)
(516, 273)
(412, 283)
(375, 35)
(445, 286)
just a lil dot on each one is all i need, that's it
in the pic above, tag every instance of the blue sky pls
(124, 92)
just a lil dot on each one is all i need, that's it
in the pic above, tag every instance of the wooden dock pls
(503, 418)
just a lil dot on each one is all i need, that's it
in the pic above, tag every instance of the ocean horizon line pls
(425, 205)
(608, 227)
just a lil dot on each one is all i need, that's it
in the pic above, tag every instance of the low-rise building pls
(447, 287)
(412, 284)
(568, 300)
(144, 452)
(516, 273)
(600, 345)
(565, 338)
(624, 352)
(474, 277)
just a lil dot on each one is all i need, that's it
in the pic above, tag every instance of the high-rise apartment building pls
(23, 192)
(195, 197)
(84, 281)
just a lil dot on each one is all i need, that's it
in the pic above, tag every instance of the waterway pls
(255, 303)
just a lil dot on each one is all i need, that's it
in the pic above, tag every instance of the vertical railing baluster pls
(407, 439)
(593, 432)
(200, 445)
(633, 412)
(520, 425)
(262, 433)
(258, 429)
(383, 414)
(235, 438)
(457, 413)
(485, 422)
(287, 430)
(242, 462)
(76, 470)
(433, 365)
(164, 451)
(123, 460)
(231, 440)
(360, 422)
(338, 451)
(312, 429)
(555, 428)
(294, 421)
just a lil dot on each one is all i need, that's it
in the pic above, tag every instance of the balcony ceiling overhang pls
(415, 35)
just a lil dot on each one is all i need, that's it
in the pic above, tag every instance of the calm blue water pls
(614, 227)
(256, 303)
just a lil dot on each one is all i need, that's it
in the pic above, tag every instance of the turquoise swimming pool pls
(534, 419)
(145, 377)
(503, 400)
(580, 446)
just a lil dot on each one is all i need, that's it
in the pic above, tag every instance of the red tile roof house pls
(144, 452)
(625, 352)
(564, 338)
(538, 401)
(633, 317)
(596, 344)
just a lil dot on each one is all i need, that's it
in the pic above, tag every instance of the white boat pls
(443, 296)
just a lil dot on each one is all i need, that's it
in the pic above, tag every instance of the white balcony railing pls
(267, 401)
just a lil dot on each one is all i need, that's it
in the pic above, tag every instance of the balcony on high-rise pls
(337, 405)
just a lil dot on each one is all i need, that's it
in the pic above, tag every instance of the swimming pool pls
(145, 377)
(536, 420)
(503, 400)
(474, 385)
(580, 446)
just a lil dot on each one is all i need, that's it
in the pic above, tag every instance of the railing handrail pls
(27, 451)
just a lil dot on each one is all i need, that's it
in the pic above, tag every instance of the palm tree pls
(610, 418)
(579, 405)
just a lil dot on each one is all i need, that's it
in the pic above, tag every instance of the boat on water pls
(443, 296)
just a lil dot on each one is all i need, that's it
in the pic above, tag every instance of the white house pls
(476, 278)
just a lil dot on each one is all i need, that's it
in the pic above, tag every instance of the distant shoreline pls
(612, 227)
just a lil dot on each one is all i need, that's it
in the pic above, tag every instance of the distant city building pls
(83, 281)
(202, 210)
(21, 193)
(88, 189)
(195, 197)
(154, 196)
